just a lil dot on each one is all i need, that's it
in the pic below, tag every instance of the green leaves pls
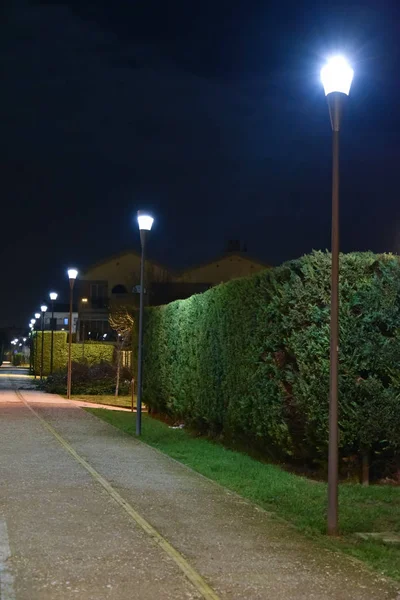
(250, 358)
(91, 352)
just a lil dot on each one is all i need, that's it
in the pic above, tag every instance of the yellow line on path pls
(195, 578)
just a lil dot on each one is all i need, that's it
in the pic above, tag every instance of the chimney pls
(233, 246)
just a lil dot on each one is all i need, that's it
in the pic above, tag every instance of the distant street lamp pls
(43, 309)
(336, 78)
(31, 347)
(84, 302)
(72, 275)
(37, 317)
(145, 222)
(53, 297)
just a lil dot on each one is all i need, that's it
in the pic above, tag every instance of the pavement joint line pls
(6, 577)
(191, 574)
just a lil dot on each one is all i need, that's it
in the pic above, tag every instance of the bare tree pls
(122, 322)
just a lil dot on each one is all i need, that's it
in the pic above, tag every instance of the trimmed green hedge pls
(17, 359)
(250, 358)
(93, 352)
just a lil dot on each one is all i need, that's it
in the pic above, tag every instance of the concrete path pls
(87, 512)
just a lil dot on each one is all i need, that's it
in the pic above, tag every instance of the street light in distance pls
(43, 309)
(53, 298)
(72, 275)
(145, 222)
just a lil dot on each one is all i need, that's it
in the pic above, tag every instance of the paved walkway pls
(87, 512)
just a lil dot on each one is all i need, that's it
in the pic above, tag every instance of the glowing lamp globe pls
(337, 75)
(43, 308)
(53, 295)
(37, 315)
(145, 221)
(72, 273)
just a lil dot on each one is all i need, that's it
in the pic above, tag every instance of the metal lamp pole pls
(84, 303)
(30, 348)
(37, 317)
(336, 78)
(33, 352)
(53, 297)
(72, 274)
(43, 309)
(145, 222)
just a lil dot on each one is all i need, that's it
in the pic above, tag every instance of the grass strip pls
(111, 400)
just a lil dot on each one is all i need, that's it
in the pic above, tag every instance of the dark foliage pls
(91, 379)
(250, 358)
(17, 359)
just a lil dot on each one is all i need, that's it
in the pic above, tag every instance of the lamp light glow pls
(72, 273)
(53, 295)
(145, 220)
(84, 300)
(33, 321)
(43, 308)
(337, 75)
(37, 315)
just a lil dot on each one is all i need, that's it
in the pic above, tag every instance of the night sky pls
(210, 114)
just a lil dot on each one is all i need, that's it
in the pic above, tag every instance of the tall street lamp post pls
(336, 78)
(32, 326)
(53, 297)
(31, 347)
(43, 309)
(72, 275)
(37, 317)
(145, 222)
(84, 302)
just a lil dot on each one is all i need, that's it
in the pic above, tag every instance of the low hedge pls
(17, 359)
(91, 352)
(90, 379)
(250, 358)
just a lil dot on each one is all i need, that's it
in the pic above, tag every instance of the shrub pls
(250, 358)
(17, 359)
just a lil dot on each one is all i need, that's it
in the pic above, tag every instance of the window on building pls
(98, 295)
(65, 321)
(119, 289)
(97, 290)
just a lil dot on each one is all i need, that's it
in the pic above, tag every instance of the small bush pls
(17, 359)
